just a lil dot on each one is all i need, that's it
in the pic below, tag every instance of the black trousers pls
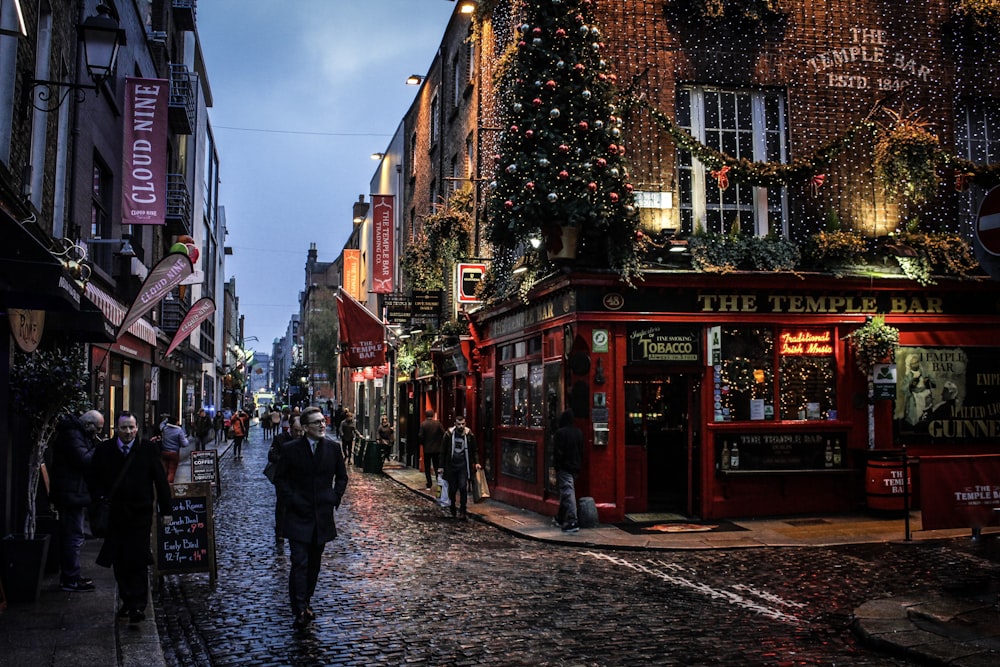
(431, 464)
(306, 558)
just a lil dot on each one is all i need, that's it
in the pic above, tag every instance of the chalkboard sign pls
(205, 467)
(187, 544)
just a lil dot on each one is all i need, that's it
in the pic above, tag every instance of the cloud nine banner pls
(162, 278)
(200, 311)
(144, 152)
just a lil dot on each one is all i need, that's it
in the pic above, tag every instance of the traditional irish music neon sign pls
(806, 343)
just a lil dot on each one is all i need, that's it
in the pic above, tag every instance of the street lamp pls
(101, 37)
(414, 80)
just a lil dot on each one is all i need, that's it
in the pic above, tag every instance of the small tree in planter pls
(46, 386)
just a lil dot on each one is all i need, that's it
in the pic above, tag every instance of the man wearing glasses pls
(310, 480)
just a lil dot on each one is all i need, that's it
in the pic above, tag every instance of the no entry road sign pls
(988, 223)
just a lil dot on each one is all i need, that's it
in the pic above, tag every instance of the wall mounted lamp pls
(101, 37)
(378, 156)
(125, 250)
(360, 210)
(466, 6)
(414, 80)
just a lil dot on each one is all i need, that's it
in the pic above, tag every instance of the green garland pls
(801, 170)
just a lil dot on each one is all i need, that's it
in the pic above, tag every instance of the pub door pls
(660, 443)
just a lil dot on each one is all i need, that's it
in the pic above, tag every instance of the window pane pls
(711, 110)
(520, 417)
(684, 108)
(506, 395)
(537, 396)
(745, 112)
(747, 373)
(808, 379)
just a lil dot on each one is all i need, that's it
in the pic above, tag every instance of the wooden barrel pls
(884, 484)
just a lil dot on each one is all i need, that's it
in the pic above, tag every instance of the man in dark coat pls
(273, 454)
(567, 459)
(430, 438)
(310, 479)
(144, 484)
(72, 451)
(460, 459)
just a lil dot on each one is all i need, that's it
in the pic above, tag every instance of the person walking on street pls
(143, 484)
(219, 425)
(348, 434)
(275, 418)
(203, 429)
(430, 438)
(238, 424)
(567, 459)
(310, 479)
(460, 459)
(72, 452)
(172, 441)
(273, 454)
(386, 436)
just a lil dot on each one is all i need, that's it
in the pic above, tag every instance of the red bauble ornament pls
(613, 196)
(528, 134)
(579, 67)
(560, 33)
(536, 32)
(529, 186)
(592, 186)
(613, 149)
(564, 174)
(621, 150)
(496, 159)
(613, 78)
(602, 76)
(582, 126)
(508, 204)
(579, 18)
(629, 187)
(513, 128)
(537, 101)
(602, 163)
(522, 44)
(550, 84)
(563, 148)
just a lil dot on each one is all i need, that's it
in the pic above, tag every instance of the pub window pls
(520, 395)
(977, 139)
(522, 392)
(506, 395)
(536, 394)
(794, 369)
(746, 378)
(747, 125)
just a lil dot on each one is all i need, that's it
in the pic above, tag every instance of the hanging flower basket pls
(875, 342)
(979, 15)
(906, 156)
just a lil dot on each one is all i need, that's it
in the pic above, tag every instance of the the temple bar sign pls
(662, 344)
(469, 276)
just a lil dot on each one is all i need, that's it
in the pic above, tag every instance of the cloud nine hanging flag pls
(362, 335)
(162, 278)
(200, 311)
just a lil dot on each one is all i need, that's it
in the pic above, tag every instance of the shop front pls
(724, 396)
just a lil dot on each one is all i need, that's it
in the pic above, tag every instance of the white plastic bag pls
(443, 499)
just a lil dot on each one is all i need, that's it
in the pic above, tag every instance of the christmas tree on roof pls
(561, 157)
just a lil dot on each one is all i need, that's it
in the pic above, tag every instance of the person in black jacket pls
(460, 459)
(310, 479)
(72, 451)
(144, 484)
(567, 458)
(273, 454)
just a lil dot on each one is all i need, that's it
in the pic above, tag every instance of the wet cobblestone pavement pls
(406, 585)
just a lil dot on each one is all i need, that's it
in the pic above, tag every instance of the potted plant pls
(906, 156)
(46, 386)
(874, 342)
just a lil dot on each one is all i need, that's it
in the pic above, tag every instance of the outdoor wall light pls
(360, 210)
(466, 6)
(414, 80)
(102, 38)
(378, 156)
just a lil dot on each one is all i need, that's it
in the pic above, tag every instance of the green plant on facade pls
(936, 253)
(445, 237)
(874, 342)
(454, 327)
(46, 386)
(833, 250)
(906, 158)
(982, 15)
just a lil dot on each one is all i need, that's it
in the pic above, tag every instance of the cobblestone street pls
(405, 585)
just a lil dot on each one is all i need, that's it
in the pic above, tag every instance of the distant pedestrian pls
(348, 434)
(219, 425)
(275, 418)
(430, 437)
(172, 442)
(386, 436)
(273, 454)
(238, 424)
(338, 418)
(567, 459)
(202, 429)
(310, 479)
(286, 414)
(143, 484)
(460, 458)
(72, 452)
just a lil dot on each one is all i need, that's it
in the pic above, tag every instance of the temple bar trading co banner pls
(959, 491)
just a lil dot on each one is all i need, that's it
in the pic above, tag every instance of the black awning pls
(30, 276)
(88, 326)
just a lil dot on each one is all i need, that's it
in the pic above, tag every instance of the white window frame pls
(701, 178)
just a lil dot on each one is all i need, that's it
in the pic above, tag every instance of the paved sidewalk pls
(80, 629)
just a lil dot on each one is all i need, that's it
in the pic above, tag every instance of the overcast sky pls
(304, 92)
